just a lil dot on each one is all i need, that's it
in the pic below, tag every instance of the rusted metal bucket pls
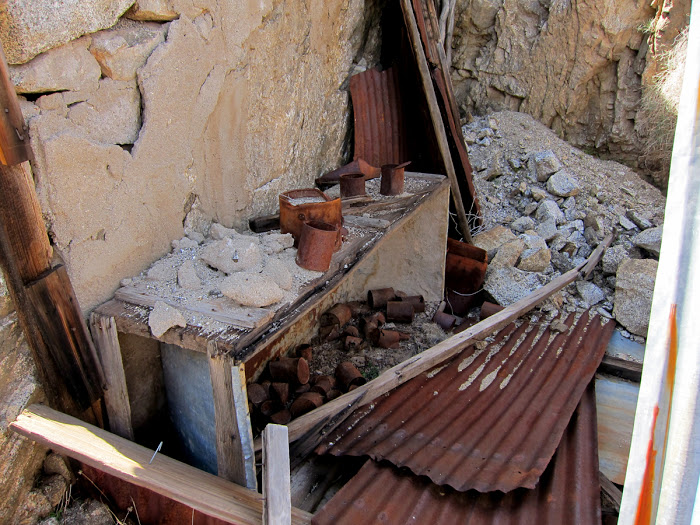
(392, 179)
(317, 244)
(465, 270)
(299, 206)
(352, 185)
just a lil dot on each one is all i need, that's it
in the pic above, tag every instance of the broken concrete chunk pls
(163, 317)
(589, 292)
(219, 232)
(161, 270)
(634, 288)
(543, 164)
(187, 276)
(251, 289)
(650, 240)
(563, 184)
(548, 209)
(508, 285)
(276, 242)
(232, 255)
(521, 224)
(196, 237)
(493, 239)
(278, 271)
(507, 255)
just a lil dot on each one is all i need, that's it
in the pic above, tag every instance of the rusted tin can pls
(379, 297)
(317, 245)
(352, 185)
(348, 375)
(399, 312)
(417, 301)
(391, 338)
(488, 309)
(392, 179)
(445, 321)
(299, 206)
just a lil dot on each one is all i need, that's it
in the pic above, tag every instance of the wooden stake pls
(104, 332)
(276, 472)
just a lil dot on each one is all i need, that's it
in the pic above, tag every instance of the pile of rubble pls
(546, 205)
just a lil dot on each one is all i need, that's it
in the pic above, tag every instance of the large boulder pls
(493, 239)
(508, 285)
(30, 27)
(634, 288)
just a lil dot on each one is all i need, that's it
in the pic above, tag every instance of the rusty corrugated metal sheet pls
(568, 491)
(380, 137)
(489, 420)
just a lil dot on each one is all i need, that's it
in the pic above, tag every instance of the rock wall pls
(578, 66)
(20, 458)
(206, 108)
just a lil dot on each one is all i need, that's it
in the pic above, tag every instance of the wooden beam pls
(276, 483)
(104, 332)
(310, 428)
(436, 117)
(230, 454)
(621, 368)
(14, 136)
(203, 492)
(245, 429)
(611, 491)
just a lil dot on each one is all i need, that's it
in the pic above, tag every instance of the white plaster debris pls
(251, 289)
(163, 317)
(187, 276)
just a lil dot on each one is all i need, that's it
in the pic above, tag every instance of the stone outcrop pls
(577, 67)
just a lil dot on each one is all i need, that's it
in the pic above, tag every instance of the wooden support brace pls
(234, 435)
(116, 395)
(203, 492)
(276, 472)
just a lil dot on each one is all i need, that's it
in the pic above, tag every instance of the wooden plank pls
(623, 368)
(116, 394)
(65, 334)
(314, 425)
(611, 491)
(14, 136)
(128, 461)
(275, 471)
(230, 457)
(249, 318)
(365, 222)
(436, 117)
(245, 428)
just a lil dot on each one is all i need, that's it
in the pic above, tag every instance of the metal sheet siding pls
(568, 492)
(489, 420)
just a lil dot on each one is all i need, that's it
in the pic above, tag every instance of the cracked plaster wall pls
(214, 104)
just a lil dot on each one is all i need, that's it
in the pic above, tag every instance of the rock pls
(111, 115)
(589, 292)
(530, 208)
(508, 254)
(543, 164)
(493, 239)
(196, 237)
(57, 464)
(67, 68)
(562, 262)
(187, 276)
(569, 203)
(36, 506)
(277, 270)
(219, 232)
(30, 27)
(122, 50)
(508, 285)
(523, 223)
(562, 184)
(495, 170)
(155, 10)
(612, 258)
(634, 288)
(276, 242)
(251, 289)
(232, 255)
(163, 317)
(649, 240)
(637, 218)
(549, 209)
(547, 229)
(536, 256)
(162, 270)
(186, 243)
(515, 163)
(626, 223)
(54, 487)
(92, 512)
(538, 193)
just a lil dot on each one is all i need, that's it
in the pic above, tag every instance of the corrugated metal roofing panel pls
(489, 420)
(379, 134)
(568, 491)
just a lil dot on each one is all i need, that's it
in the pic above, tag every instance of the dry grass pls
(659, 111)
